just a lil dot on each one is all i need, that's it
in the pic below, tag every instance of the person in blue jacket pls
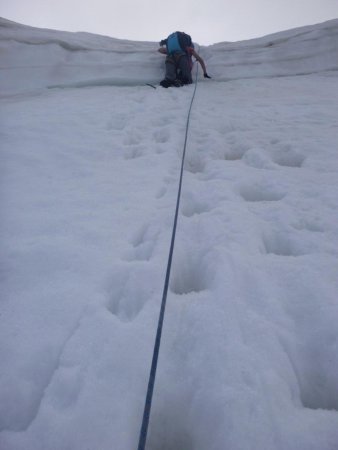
(179, 49)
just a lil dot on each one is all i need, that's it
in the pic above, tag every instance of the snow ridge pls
(82, 59)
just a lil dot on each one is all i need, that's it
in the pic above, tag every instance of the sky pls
(207, 22)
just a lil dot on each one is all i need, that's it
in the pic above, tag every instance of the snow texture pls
(90, 159)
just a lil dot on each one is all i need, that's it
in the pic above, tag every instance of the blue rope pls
(151, 382)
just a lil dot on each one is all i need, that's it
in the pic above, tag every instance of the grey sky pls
(208, 21)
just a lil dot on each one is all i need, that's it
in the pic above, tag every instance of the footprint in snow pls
(128, 291)
(142, 244)
(234, 153)
(129, 288)
(194, 163)
(132, 138)
(191, 273)
(284, 244)
(161, 192)
(192, 206)
(161, 136)
(314, 225)
(135, 151)
(256, 193)
(285, 155)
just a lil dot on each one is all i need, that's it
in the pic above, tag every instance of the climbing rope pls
(151, 382)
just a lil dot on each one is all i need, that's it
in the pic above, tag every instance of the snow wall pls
(47, 58)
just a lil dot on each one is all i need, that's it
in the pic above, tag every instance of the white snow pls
(90, 160)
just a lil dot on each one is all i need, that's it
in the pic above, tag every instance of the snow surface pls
(90, 161)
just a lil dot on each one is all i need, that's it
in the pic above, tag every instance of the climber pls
(179, 50)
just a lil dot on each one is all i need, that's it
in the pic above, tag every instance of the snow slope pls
(90, 160)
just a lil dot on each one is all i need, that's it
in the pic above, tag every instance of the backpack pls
(178, 42)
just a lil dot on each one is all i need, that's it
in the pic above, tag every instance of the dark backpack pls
(177, 42)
